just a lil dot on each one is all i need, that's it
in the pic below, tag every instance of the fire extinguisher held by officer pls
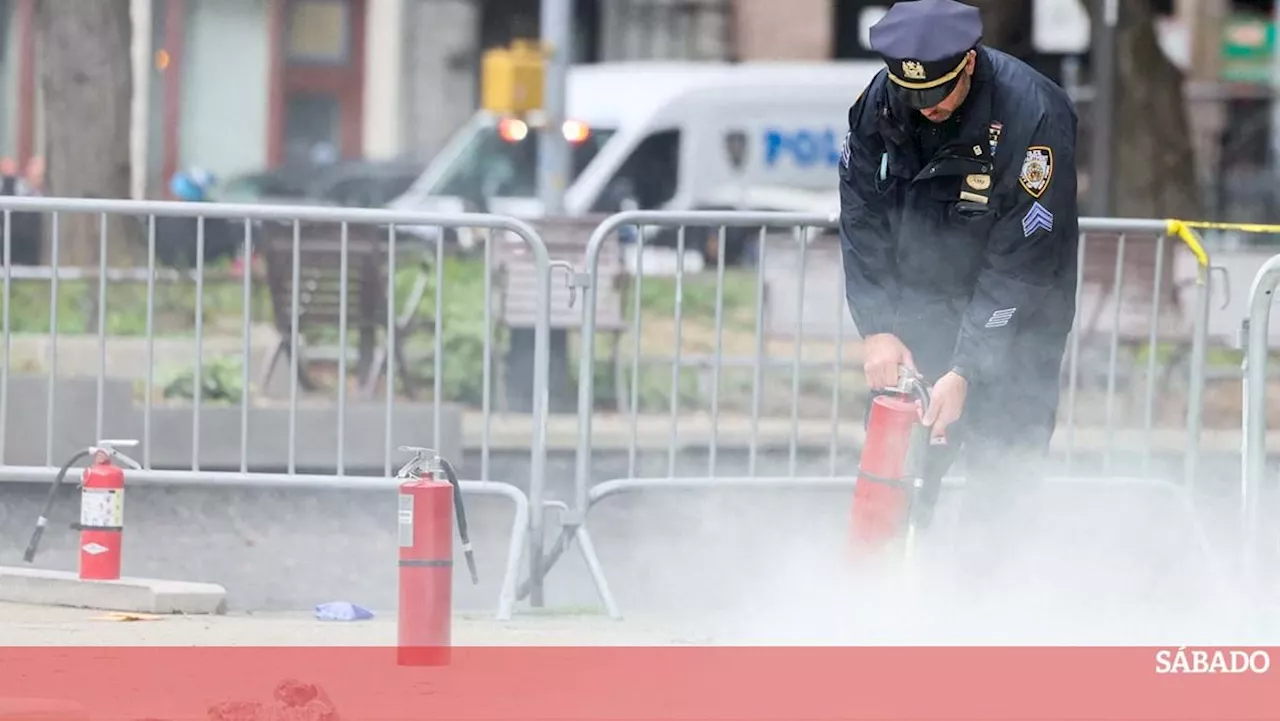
(959, 229)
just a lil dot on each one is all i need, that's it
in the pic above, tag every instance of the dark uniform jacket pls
(961, 238)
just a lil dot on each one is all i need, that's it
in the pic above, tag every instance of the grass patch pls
(174, 309)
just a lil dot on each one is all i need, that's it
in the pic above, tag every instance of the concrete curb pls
(137, 595)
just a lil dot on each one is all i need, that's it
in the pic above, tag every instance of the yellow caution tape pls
(1242, 227)
(1182, 230)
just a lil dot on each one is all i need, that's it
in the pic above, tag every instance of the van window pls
(495, 164)
(648, 179)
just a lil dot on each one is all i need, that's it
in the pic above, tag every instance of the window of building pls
(312, 128)
(318, 31)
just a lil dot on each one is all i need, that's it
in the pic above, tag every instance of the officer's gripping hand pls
(884, 352)
(946, 404)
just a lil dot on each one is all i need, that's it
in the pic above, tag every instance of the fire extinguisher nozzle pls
(471, 566)
(30, 553)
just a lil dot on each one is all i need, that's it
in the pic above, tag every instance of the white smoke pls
(1105, 564)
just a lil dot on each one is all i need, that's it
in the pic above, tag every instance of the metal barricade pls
(317, 260)
(1254, 396)
(809, 269)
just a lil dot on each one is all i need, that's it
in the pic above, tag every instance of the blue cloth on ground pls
(342, 611)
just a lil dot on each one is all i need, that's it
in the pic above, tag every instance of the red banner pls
(604, 683)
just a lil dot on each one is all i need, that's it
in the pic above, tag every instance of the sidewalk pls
(50, 626)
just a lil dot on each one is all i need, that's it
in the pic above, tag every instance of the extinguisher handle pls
(911, 384)
(421, 461)
(108, 446)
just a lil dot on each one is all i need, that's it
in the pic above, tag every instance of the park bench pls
(515, 303)
(320, 295)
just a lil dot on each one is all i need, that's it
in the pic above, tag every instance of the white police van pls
(663, 135)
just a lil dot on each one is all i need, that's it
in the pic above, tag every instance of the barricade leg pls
(574, 529)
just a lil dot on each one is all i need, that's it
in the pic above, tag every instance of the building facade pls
(243, 86)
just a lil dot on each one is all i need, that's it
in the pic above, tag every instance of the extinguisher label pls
(406, 521)
(102, 508)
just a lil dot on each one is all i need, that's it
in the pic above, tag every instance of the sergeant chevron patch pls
(1037, 218)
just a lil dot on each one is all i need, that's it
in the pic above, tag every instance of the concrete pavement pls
(25, 625)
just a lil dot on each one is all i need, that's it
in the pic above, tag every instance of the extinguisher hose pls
(462, 519)
(43, 520)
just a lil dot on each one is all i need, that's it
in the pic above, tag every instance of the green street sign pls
(1246, 47)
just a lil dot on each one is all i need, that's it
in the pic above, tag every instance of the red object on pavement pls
(882, 496)
(101, 519)
(426, 571)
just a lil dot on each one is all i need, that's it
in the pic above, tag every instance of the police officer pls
(959, 224)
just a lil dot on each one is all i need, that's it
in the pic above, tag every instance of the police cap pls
(925, 44)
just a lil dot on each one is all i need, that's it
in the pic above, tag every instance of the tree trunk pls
(1154, 169)
(87, 82)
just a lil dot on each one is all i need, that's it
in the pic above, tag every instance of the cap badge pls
(913, 70)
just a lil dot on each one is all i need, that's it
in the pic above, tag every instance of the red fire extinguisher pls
(101, 523)
(429, 497)
(889, 471)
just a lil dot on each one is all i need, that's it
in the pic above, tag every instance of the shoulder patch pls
(844, 150)
(1037, 170)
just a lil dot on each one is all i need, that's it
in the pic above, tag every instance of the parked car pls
(357, 183)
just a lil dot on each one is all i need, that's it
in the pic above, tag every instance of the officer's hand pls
(946, 404)
(884, 352)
